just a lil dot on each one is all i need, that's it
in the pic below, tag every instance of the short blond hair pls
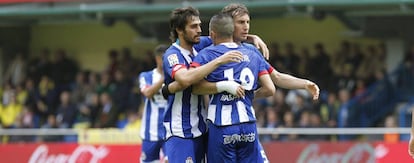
(222, 24)
(235, 9)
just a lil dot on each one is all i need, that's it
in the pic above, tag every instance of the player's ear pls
(179, 31)
(212, 34)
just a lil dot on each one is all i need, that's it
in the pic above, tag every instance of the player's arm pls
(205, 87)
(290, 82)
(146, 88)
(172, 88)
(151, 90)
(260, 44)
(186, 77)
(267, 88)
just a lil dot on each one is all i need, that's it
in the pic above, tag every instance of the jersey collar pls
(229, 44)
(185, 52)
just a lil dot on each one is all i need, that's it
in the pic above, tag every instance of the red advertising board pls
(299, 152)
(307, 152)
(68, 153)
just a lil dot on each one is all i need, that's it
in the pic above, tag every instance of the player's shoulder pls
(172, 55)
(205, 41)
(171, 51)
(206, 50)
(248, 46)
(252, 49)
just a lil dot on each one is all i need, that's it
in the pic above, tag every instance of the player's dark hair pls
(160, 49)
(179, 19)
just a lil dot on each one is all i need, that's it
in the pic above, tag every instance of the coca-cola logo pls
(83, 153)
(361, 152)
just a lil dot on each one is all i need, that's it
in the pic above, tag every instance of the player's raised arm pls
(290, 82)
(186, 77)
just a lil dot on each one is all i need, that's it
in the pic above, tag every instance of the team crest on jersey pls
(172, 59)
(189, 160)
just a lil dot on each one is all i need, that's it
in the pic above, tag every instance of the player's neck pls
(238, 42)
(159, 70)
(185, 45)
(222, 40)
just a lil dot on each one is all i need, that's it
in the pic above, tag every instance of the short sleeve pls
(172, 62)
(205, 41)
(143, 83)
(201, 58)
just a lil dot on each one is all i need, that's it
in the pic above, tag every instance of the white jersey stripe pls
(176, 115)
(252, 111)
(242, 110)
(226, 115)
(194, 119)
(154, 124)
(212, 113)
(167, 129)
(143, 123)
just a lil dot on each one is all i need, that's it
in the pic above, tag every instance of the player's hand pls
(411, 147)
(231, 87)
(240, 91)
(260, 44)
(313, 89)
(230, 56)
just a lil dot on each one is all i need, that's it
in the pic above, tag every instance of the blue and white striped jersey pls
(224, 108)
(152, 128)
(186, 115)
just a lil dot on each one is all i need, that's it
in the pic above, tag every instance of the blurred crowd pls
(346, 74)
(53, 91)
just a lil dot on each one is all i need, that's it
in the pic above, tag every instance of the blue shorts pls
(182, 150)
(151, 150)
(235, 143)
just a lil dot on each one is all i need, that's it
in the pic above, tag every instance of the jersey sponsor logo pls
(235, 138)
(246, 58)
(172, 59)
(228, 97)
